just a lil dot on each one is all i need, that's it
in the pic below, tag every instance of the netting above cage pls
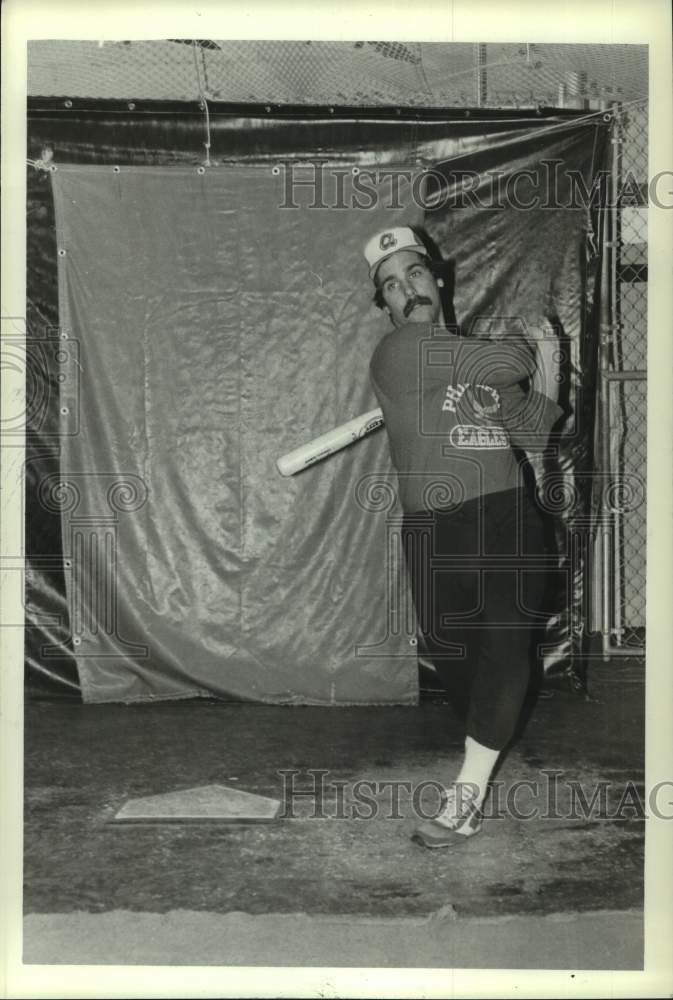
(340, 73)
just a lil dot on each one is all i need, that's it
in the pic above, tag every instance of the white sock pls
(477, 767)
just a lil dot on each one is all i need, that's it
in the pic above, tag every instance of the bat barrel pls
(325, 445)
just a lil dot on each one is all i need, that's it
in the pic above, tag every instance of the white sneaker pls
(459, 819)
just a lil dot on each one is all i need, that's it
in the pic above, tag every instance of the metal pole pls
(618, 562)
(480, 71)
(604, 388)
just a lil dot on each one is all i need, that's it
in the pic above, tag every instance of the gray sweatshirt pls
(453, 408)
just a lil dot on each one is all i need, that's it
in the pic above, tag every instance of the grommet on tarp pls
(413, 641)
(201, 170)
(275, 171)
(61, 252)
(67, 104)
(116, 170)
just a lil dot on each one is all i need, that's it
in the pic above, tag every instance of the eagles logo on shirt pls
(479, 402)
(455, 394)
(485, 409)
(470, 436)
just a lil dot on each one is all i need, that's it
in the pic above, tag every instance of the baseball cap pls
(388, 242)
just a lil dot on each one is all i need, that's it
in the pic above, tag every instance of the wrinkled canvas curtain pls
(216, 332)
(215, 326)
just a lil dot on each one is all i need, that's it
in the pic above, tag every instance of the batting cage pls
(197, 308)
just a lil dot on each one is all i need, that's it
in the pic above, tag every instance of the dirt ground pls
(544, 852)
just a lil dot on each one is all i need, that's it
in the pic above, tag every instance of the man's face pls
(409, 289)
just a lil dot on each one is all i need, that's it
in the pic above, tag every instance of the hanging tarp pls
(214, 332)
(215, 327)
(521, 223)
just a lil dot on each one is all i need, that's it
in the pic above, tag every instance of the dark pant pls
(477, 587)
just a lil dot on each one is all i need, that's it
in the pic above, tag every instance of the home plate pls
(207, 803)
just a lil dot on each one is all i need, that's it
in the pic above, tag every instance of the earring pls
(440, 282)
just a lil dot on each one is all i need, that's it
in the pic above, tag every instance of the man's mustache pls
(417, 300)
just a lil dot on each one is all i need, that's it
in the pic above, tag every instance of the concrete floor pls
(558, 890)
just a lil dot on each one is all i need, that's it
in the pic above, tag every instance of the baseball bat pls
(334, 440)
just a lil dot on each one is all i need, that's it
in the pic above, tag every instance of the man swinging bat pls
(471, 528)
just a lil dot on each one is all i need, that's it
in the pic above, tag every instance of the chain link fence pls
(370, 73)
(619, 577)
